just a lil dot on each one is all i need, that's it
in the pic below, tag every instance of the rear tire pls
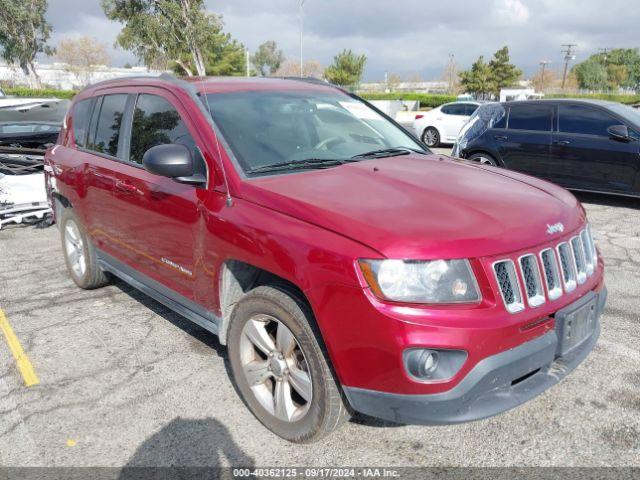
(274, 349)
(79, 253)
(484, 159)
(431, 137)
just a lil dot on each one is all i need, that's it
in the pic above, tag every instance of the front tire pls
(79, 253)
(431, 137)
(280, 367)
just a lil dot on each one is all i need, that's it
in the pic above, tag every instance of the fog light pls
(425, 364)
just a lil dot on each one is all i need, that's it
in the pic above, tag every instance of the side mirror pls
(619, 132)
(174, 161)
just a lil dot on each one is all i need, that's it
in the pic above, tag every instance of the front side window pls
(107, 124)
(585, 120)
(265, 128)
(530, 117)
(156, 122)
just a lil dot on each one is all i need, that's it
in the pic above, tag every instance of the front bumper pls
(496, 384)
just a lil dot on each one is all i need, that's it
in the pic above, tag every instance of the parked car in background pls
(345, 266)
(580, 144)
(443, 123)
(27, 128)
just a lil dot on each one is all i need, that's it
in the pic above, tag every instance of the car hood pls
(423, 206)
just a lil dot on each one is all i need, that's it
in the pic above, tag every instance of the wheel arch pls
(486, 151)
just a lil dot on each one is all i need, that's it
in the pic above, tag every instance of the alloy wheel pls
(430, 137)
(275, 368)
(74, 248)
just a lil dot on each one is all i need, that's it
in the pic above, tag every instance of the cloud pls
(408, 36)
(511, 12)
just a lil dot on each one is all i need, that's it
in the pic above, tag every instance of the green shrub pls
(44, 92)
(426, 99)
(612, 97)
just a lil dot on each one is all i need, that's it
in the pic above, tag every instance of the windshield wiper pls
(308, 163)
(389, 152)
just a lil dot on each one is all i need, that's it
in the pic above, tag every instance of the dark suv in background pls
(579, 144)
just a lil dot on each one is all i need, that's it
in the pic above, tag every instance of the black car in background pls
(579, 144)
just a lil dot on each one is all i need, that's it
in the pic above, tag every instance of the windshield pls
(628, 113)
(266, 128)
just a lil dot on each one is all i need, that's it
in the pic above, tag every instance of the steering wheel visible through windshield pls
(266, 128)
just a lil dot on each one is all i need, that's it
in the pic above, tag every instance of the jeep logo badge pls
(555, 228)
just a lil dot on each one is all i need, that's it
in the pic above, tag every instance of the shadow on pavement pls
(608, 200)
(186, 448)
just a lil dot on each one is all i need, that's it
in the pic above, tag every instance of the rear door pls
(100, 147)
(158, 217)
(453, 118)
(526, 143)
(584, 155)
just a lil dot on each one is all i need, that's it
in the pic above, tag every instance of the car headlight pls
(435, 281)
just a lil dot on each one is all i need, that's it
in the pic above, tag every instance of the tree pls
(267, 58)
(81, 56)
(479, 80)
(620, 66)
(222, 55)
(291, 68)
(157, 31)
(547, 82)
(592, 75)
(393, 81)
(503, 73)
(347, 69)
(23, 34)
(450, 76)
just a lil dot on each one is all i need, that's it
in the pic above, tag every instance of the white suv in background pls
(442, 124)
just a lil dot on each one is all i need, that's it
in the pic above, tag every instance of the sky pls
(404, 37)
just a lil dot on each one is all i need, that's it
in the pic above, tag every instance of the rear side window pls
(156, 122)
(459, 109)
(109, 118)
(470, 109)
(585, 120)
(530, 117)
(80, 120)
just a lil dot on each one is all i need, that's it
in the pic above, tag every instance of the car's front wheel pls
(280, 367)
(431, 137)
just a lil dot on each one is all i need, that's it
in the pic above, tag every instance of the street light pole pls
(544, 64)
(301, 34)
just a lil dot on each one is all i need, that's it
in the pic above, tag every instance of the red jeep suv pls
(347, 267)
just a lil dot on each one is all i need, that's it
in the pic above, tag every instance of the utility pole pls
(451, 69)
(569, 54)
(301, 34)
(605, 53)
(543, 64)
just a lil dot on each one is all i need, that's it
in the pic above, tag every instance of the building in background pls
(58, 76)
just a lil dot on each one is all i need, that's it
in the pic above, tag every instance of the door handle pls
(561, 142)
(125, 187)
(501, 138)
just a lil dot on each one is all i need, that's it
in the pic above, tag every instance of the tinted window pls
(470, 109)
(459, 109)
(107, 128)
(80, 121)
(585, 120)
(530, 117)
(156, 122)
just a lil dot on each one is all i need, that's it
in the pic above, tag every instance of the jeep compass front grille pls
(562, 268)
